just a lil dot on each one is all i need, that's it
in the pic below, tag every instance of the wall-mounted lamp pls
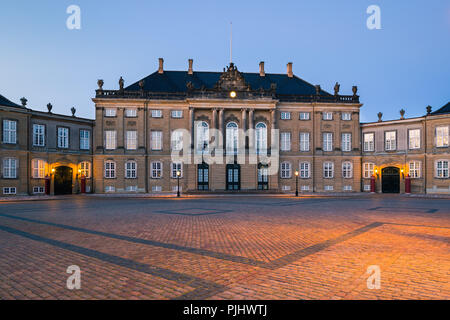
(403, 173)
(53, 171)
(376, 173)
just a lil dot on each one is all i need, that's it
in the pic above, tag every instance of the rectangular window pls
(85, 139)
(85, 169)
(442, 137)
(177, 114)
(110, 169)
(285, 115)
(369, 142)
(390, 140)
(414, 169)
(346, 116)
(130, 170)
(156, 170)
(327, 141)
(156, 188)
(328, 188)
(38, 135)
(10, 131)
(285, 141)
(9, 190)
(442, 169)
(285, 170)
(9, 168)
(110, 112)
(327, 116)
(368, 170)
(177, 140)
(176, 166)
(110, 139)
(63, 138)
(131, 140)
(131, 113)
(131, 188)
(305, 170)
(347, 169)
(156, 113)
(38, 190)
(346, 142)
(328, 170)
(304, 116)
(304, 141)
(38, 168)
(304, 188)
(414, 139)
(156, 140)
(110, 189)
(347, 188)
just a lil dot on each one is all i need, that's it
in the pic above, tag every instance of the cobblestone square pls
(226, 247)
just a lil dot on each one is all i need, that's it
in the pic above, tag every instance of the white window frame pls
(174, 167)
(9, 190)
(38, 190)
(156, 113)
(110, 167)
(9, 131)
(414, 139)
(130, 169)
(156, 169)
(202, 136)
(131, 112)
(304, 170)
(131, 139)
(346, 116)
(85, 139)
(110, 112)
(328, 170)
(442, 136)
(304, 116)
(304, 141)
(346, 142)
(261, 138)
(368, 170)
(176, 140)
(85, 169)
(415, 169)
(327, 141)
(285, 170)
(285, 115)
(38, 135)
(156, 140)
(369, 145)
(232, 137)
(390, 140)
(38, 167)
(10, 166)
(176, 114)
(347, 169)
(63, 134)
(442, 171)
(285, 141)
(327, 116)
(110, 139)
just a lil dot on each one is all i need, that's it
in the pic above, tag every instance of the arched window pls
(232, 137)
(202, 135)
(85, 169)
(110, 169)
(130, 169)
(261, 137)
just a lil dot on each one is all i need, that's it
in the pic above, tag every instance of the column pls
(191, 125)
(244, 126)
(221, 127)
(251, 125)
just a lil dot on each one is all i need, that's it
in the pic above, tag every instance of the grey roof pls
(8, 103)
(444, 109)
(176, 81)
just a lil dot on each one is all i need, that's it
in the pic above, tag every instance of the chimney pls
(262, 73)
(161, 65)
(190, 70)
(289, 70)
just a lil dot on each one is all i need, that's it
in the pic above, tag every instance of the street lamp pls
(178, 181)
(296, 183)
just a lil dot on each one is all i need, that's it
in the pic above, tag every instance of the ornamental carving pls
(232, 79)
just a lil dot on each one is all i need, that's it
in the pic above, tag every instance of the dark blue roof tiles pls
(444, 109)
(8, 103)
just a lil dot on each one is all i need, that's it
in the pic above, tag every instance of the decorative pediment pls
(202, 118)
(232, 79)
(231, 118)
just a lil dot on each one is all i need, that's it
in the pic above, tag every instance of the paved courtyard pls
(243, 247)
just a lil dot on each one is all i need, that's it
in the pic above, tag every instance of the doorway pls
(233, 177)
(263, 177)
(63, 180)
(390, 180)
(203, 176)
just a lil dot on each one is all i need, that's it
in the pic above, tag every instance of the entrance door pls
(203, 176)
(390, 180)
(63, 180)
(233, 177)
(263, 177)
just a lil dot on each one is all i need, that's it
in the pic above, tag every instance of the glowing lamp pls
(233, 94)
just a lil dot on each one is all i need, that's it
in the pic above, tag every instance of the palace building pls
(226, 131)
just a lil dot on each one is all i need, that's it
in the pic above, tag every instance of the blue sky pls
(404, 65)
